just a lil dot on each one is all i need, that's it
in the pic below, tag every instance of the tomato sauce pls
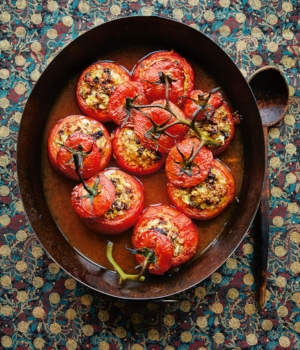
(57, 188)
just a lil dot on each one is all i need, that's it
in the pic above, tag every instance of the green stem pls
(123, 276)
(145, 262)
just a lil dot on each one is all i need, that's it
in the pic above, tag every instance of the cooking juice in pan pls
(58, 188)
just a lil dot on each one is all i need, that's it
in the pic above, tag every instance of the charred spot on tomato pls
(210, 178)
(225, 133)
(98, 134)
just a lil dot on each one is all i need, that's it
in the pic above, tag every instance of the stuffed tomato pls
(209, 198)
(95, 86)
(126, 207)
(169, 225)
(80, 136)
(165, 70)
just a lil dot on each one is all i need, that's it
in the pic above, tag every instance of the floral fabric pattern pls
(41, 307)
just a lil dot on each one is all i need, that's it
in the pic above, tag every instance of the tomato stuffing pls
(132, 156)
(119, 105)
(157, 128)
(169, 222)
(165, 67)
(126, 207)
(188, 163)
(83, 136)
(207, 199)
(95, 86)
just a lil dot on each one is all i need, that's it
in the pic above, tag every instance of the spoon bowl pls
(271, 92)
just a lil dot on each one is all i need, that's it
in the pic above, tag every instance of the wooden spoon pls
(271, 92)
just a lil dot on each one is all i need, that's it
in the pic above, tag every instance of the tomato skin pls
(74, 132)
(162, 142)
(199, 171)
(91, 208)
(134, 158)
(147, 72)
(104, 85)
(110, 225)
(87, 144)
(162, 248)
(176, 194)
(117, 103)
(186, 231)
(214, 102)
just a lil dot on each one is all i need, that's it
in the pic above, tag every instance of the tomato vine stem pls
(187, 163)
(123, 276)
(158, 129)
(92, 192)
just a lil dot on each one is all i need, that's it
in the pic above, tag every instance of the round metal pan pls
(128, 35)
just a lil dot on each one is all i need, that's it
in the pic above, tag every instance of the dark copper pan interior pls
(125, 34)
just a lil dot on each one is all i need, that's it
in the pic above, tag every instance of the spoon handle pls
(264, 217)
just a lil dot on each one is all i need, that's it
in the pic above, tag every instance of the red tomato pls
(95, 86)
(220, 127)
(207, 199)
(132, 156)
(95, 202)
(209, 102)
(118, 109)
(81, 135)
(148, 72)
(173, 224)
(154, 126)
(186, 165)
(156, 250)
(127, 206)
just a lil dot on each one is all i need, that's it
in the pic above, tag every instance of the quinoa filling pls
(97, 85)
(125, 196)
(209, 194)
(165, 226)
(134, 153)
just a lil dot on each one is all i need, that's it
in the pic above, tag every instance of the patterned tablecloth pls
(41, 307)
